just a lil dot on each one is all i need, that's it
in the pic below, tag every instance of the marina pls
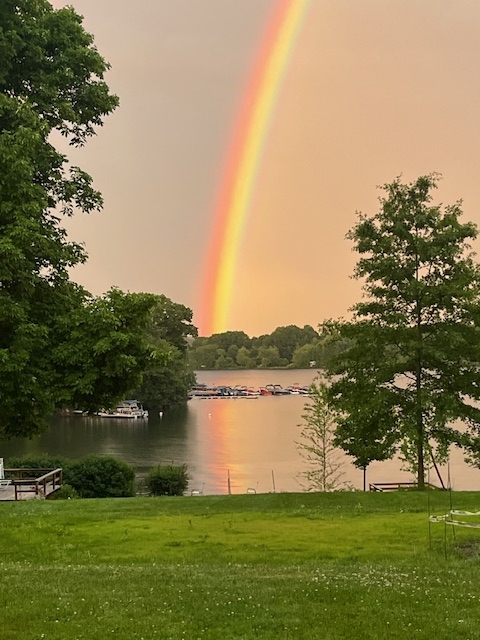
(202, 390)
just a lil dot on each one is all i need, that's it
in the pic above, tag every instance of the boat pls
(233, 393)
(203, 391)
(244, 391)
(277, 390)
(297, 390)
(129, 409)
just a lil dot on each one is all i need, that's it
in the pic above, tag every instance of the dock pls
(30, 484)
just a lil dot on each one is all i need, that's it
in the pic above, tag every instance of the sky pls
(372, 90)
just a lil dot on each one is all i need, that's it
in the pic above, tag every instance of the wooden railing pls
(41, 482)
(397, 486)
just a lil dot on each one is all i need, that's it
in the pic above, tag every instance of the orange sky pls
(374, 89)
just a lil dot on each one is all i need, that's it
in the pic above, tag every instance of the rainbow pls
(244, 159)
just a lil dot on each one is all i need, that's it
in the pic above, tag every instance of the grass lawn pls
(283, 566)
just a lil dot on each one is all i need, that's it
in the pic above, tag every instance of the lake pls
(227, 444)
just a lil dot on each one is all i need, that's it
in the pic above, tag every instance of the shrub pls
(65, 492)
(167, 480)
(101, 477)
(39, 461)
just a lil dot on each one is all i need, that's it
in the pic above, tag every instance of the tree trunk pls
(419, 427)
(420, 461)
(418, 387)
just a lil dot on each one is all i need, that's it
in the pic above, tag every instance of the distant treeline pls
(290, 346)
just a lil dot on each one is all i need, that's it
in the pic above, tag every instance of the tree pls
(228, 338)
(318, 446)
(306, 354)
(203, 355)
(51, 79)
(289, 338)
(167, 377)
(415, 337)
(232, 352)
(269, 357)
(172, 322)
(365, 431)
(102, 349)
(223, 361)
(244, 359)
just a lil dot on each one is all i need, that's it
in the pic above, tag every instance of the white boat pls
(127, 409)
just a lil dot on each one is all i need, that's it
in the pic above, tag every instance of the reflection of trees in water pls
(137, 442)
(249, 438)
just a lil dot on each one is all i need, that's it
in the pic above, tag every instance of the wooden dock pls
(30, 484)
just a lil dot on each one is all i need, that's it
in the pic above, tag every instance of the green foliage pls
(49, 61)
(66, 492)
(167, 376)
(171, 322)
(90, 477)
(304, 356)
(317, 445)
(101, 477)
(40, 461)
(287, 339)
(103, 349)
(245, 360)
(413, 367)
(229, 338)
(201, 355)
(269, 356)
(167, 379)
(51, 80)
(234, 349)
(366, 430)
(59, 346)
(168, 480)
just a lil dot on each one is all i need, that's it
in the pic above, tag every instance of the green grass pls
(342, 565)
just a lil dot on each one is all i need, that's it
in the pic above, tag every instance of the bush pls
(167, 480)
(65, 492)
(101, 477)
(40, 461)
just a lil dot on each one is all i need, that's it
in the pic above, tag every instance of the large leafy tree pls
(414, 365)
(102, 348)
(51, 80)
(289, 338)
(166, 380)
(167, 377)
(172, 322)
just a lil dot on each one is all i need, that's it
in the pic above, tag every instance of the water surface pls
(228, 444)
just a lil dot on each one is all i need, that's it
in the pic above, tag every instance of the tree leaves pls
(414, 364)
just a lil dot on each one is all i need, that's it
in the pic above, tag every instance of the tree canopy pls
(413, 367)
(289, 346)
(167, 378)
(58, 344)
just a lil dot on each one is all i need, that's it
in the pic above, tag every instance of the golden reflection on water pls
(252, 441)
